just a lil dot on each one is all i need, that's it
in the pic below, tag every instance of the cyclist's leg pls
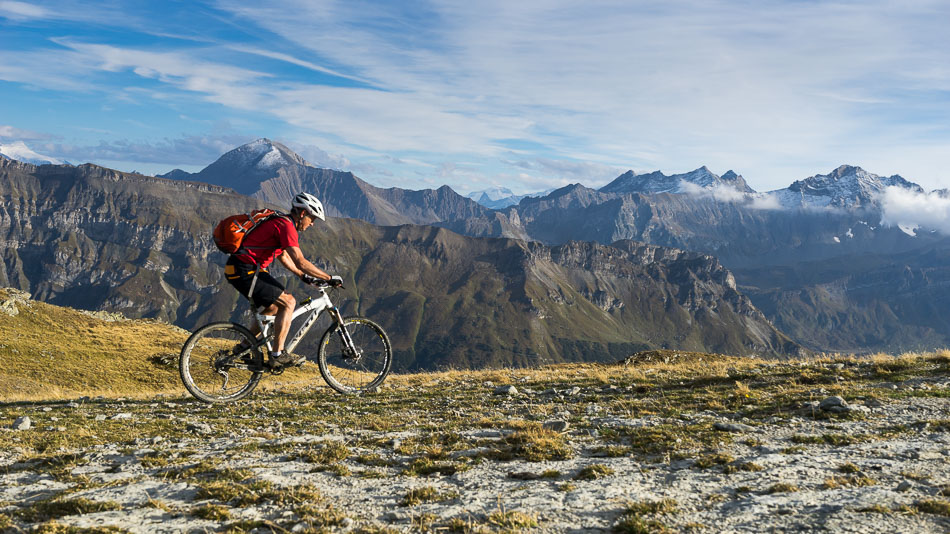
(284, 311)
(269, 294)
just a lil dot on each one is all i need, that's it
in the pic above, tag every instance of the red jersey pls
(267, 241)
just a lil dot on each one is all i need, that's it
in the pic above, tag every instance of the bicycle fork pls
(349, 348)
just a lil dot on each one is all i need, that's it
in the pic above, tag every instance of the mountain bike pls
(223, 361)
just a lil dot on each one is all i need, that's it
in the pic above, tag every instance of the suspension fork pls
(344, 335)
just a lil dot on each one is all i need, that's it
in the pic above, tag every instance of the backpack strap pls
(244, 250)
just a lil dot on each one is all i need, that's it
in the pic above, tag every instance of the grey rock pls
(100, 417)
(22, 423)
(506, 390)
(574, 391)
(904, 486)
(834, 404)
(200, 428)
(121, 416)
(558, 425)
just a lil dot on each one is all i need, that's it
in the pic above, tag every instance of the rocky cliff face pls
(93, 238)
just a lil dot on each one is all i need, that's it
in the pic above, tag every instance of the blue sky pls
(529, 95)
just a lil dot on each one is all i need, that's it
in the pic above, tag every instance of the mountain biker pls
(246, 269)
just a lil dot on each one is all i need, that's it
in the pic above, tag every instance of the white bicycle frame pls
(313, 306)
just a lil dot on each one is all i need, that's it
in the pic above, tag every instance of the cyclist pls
(246, 269)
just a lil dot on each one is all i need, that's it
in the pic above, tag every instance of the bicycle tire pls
(206, 359)
(350, 374)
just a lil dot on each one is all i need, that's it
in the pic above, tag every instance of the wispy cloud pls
(563, 172)
(21, 10)
(185, 151)
(912, 210)
(8, 132)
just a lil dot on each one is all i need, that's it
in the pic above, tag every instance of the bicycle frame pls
(313, 306)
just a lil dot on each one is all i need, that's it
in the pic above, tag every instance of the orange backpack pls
(229, 233)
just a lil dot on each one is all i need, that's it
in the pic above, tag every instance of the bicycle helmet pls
(310, 204)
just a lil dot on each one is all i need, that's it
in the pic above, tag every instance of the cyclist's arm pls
(292, 258)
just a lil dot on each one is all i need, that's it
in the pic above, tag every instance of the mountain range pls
(813, 257)
(94, 238)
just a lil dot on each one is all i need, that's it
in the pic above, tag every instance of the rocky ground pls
(651, 446)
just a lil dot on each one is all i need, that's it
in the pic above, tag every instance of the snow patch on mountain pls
(271, 159)
(20, 152)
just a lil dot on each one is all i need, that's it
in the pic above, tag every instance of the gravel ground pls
(886, 471)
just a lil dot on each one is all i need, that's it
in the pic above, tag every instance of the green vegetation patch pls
(212, 512)
(426, 494)
(512, 520)
(837, 440)
(782, 487)
(640, 517)
(934, 506)
(57, 508)
(594, 472)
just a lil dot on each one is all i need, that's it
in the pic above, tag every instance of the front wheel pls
(358, 367)
(220, 363)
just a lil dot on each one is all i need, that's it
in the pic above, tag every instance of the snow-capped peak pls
(690, 182)
(845, 187)
(20, 152)
(263, 154)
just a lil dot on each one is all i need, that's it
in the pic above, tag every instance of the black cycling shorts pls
(241, 275)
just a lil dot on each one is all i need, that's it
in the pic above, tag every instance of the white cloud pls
(909, 210)
(319, 157)
(765, 201)
(719, 192)
(725, 193)
(13, 133)
(21, 11)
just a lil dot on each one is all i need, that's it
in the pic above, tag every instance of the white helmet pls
(310, 204)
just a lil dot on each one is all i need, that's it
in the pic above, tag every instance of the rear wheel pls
(219, 363)
(359, 368)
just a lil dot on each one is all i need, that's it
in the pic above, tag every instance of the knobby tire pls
(208, 356)
(350, 374)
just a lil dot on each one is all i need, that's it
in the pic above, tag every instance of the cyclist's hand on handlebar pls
(336, 281)
(308, 279)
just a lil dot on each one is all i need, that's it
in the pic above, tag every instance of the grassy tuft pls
(212, 512)
(934, 506)
(56, 508)
(512, 520)
(782, 487)
(594, 472)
